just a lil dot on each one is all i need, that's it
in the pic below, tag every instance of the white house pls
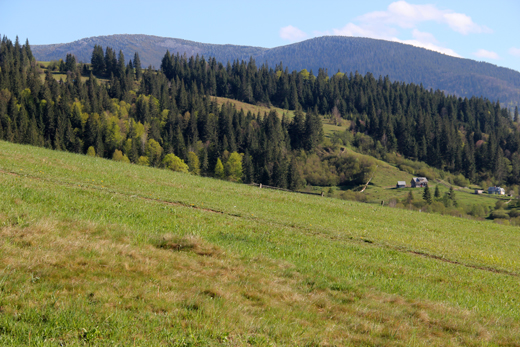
(419, 182)
(496, 190)
(401, 184)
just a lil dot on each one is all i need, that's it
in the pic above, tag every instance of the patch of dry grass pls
(51, 266)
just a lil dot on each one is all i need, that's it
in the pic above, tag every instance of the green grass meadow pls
(96, 252)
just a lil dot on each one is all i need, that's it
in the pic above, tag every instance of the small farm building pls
(496, 190)
(479, 191)
(419, 182)
(401, 184)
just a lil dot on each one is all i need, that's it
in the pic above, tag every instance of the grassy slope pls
(99, 252)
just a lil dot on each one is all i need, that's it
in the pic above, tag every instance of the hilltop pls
(401, 62)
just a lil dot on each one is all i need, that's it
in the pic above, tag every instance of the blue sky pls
(479, 30)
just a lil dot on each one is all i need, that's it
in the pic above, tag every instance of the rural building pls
(496, 190)
(401, 184)
(479, 191)
(419, 182)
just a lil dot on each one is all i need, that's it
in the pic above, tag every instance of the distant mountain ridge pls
(151, 49)
(401, 62)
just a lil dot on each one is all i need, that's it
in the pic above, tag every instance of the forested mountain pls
(166, 117)
(400, 62)
(150, 48)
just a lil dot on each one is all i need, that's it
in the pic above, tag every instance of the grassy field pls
(95, 252)
(254, 109)
(61, 76)
(328, 126)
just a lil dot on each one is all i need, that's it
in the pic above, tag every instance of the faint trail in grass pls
(308, 231)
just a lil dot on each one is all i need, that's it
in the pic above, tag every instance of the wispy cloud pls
(401, 15)
(408, 16)
(482, 53)
(428, 41)
(292, 34)
(514, 51)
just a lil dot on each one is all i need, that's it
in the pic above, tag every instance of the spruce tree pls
(437, 194)
(98, 61)
(137, 66)
(453, 197)
(427, 195)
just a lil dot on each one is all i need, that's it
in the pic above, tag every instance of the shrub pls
(437, 207)
(502, 221)
(461, 181)
(193, 163)
(355, 196)
(406, 168)
(174, 163)
(143, 161)
(477, 211)
(514, 213)
(428, 173)
(91, 152)
(119, 156)
(515, 221)
(499, 214)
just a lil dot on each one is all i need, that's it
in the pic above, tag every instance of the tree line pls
(113, 108)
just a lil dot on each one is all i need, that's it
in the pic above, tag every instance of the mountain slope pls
(401, 62)
(96, 252)
(462, 77)
(151, 49)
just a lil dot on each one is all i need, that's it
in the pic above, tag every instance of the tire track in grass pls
(256, 219)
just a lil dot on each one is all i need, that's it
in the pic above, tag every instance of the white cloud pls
(463, 24)
(386, 25)
(292, 34)
(482, 53)
(514, 51)
(428, 41)
(407, 16)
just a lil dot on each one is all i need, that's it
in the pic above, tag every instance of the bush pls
(514, 213)
(437, 207)
(143, 161)
(406, 168)
(502, 221)
(477, 211)
(499, 214)
(461, 181)
(499, 204)
(354, 196)
(428, 173)
(119, 156)
(91, 152)
(174, 163)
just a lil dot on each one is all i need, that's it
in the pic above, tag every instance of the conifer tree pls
(98, 61)
(137, 66)
(437, 194)
(453, 197)
(427, 195)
